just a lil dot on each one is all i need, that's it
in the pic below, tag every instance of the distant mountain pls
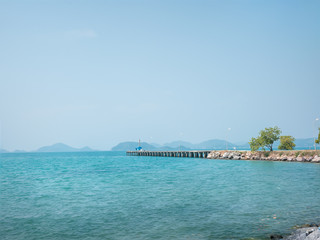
(174, 146)
(180, 148)
(244, 146)
(214, 144)
(3, 150)
(209, 144)
(131, 146)
(177, 144)
(19, 151)
(60, 147)
(156, 145)
(303, 143)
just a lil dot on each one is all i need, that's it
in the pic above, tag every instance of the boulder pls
(225, 155)
(210, 155)
(256, 157)
(289, 159)
(300, 159)
(213, 155)
(305, 234)
(236, 157)
(236, 153)
(316, 160)
(308, 159)
(276, 236)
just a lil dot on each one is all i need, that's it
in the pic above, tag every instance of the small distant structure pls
(139, 148)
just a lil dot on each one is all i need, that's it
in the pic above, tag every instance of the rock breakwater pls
(311, 233)
(288, 156)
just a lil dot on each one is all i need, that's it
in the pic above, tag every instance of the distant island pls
(3, 150)
(213, 144)
(58, 147)
(61, 147)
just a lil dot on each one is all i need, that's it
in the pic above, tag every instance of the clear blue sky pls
(100, 72)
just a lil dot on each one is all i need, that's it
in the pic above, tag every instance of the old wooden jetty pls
(190, 154)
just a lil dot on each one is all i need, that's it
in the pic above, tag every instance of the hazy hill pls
(209, 144)
(19, 151)
(131, 146)
(214, 144)
(60, 147)
(166, 148)
(177, 144)
(174, 146)
(302, 143)
(3, 150)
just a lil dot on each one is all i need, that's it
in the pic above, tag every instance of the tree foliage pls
(265, 139)
(318, 140)
(287, 143)
(255, 144)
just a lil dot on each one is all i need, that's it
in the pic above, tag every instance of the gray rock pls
(213, 155)
(225, 155)
(210, 155)
(276, 236)
(300, 159)
(308, 159)
(236, 153)
(312, 233)
(316, 159)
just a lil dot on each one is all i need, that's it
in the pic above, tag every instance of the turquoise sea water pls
(107, 195)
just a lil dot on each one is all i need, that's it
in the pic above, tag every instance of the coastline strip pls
(285, 156)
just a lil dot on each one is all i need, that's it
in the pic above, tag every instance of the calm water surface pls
(107, 195)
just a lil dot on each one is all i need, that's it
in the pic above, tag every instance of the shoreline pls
(312, 156)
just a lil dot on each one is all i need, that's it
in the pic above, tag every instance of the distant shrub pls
(317, 141)
(265, 139)
(297, 153)
(286, 143)
(266, 154)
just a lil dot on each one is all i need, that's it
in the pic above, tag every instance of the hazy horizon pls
(99, 73)
(166, 144)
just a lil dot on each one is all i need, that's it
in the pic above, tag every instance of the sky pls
(96, 73)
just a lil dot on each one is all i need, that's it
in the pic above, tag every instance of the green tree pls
(266, 139)
(286, 143)
(318, 140)
(269, 136)
(255, 144)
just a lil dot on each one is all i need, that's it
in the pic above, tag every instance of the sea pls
(108, 195)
